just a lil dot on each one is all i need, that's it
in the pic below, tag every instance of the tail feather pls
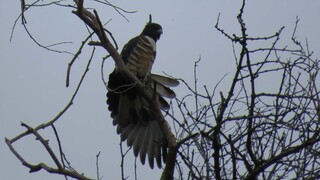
(171, 82)
(124, 132)
(139, 140)
(153, 146)
(133, 135)
(157, 145)
(161, 89)
(145, 143)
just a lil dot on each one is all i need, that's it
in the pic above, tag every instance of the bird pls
(132, 113)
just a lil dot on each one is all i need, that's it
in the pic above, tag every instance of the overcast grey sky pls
(33, 80)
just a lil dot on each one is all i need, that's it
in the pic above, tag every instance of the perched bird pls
(131, 112)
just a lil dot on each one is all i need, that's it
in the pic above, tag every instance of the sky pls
(32, 79)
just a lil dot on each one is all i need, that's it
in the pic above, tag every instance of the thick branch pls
(95, 24)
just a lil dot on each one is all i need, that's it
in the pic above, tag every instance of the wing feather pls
(171, 82)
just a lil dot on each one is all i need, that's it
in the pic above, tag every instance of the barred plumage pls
(141, 58)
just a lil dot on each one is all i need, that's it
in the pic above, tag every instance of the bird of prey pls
(131, 112)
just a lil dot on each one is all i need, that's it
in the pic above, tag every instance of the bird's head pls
(152, 30)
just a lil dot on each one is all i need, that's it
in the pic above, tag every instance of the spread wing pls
(132, 113)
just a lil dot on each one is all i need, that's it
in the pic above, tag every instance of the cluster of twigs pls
(254, 132)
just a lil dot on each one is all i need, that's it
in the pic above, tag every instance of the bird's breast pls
(141, 58)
